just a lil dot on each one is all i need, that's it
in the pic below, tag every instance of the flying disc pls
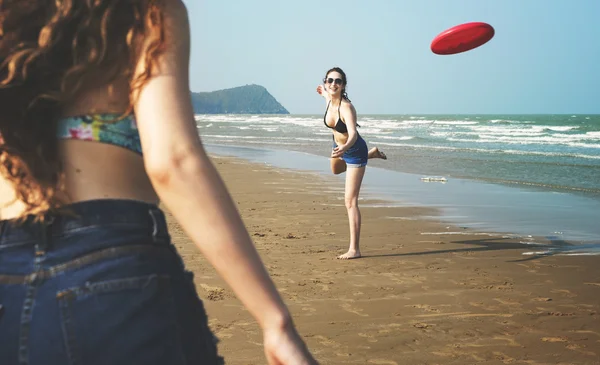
(462, 38)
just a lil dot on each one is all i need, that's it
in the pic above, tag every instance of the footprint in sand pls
(308, 308)
(509, 303)
(223, 330)
(580, 349)
(349, 308)
(421, 325)
(382, 362)
(324, 287)
(425, 307)
(564, 292)
(589, 306)
(587, 332)
(509, 339)
(503, 357)
(224, 335)
(541, 299)
(395, 326)
(370, 338)
(483, 306)
(214, 292)
(325, 341)
(403, 281)
(553, 339)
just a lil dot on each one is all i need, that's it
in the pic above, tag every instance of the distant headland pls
(249, 99)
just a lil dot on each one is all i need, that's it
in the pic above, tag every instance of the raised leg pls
(337, 166)
(376, 153)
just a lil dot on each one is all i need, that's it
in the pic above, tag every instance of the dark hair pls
(344, 80)
(49, 51)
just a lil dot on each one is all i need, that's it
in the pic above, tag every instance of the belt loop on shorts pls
(160, 232)
(43, 228)
(2, 225)
(154, 224)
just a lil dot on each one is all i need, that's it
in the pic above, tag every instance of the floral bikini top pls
(104, 128)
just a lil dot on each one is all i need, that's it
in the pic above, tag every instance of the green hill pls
(249, 99)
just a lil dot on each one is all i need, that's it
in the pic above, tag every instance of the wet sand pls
(423, 293)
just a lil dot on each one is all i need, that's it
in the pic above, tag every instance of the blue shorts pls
(103, 287)
(357, 155)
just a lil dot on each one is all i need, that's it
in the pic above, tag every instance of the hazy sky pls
(544, 58)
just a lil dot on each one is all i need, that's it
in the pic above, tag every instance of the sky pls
(543, 59)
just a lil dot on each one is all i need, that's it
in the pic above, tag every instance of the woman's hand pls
(322, 91)
(284, 346)
(339, 151)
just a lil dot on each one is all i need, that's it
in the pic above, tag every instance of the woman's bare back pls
(93, 170)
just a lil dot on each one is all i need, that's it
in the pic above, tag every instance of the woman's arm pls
(188, 183)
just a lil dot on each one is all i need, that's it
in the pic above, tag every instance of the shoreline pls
(564, 219)
(424, 292)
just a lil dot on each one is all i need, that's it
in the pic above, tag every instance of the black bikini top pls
(340, 126)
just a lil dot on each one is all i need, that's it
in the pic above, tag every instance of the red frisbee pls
(462, 38)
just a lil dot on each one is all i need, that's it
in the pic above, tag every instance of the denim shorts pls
(102, 285)
(357, 155)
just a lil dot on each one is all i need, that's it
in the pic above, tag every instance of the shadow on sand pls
(555, 247)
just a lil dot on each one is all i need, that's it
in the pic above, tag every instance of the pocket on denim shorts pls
(353, 149)
(122, 321)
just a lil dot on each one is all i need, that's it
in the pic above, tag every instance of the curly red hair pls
(49, 51)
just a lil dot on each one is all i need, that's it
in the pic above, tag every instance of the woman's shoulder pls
(176, 17)
(176, 9)
(347, 104)
(171, 46)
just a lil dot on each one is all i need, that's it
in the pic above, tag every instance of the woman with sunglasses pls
(350, 153)
(97, 127)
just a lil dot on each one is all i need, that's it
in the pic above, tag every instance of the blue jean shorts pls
(102, 285)
(357, 155)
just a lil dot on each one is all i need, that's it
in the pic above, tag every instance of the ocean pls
(556, 158)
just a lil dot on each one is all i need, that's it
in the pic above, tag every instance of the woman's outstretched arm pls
(191, 188)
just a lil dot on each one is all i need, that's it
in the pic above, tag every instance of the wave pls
(263, 139)
(255, 142)
(454, 122)
(548, 141)
(499, 131)
(492, 151)
(540, 185)
(522, 130)
(401, 138)
(595, 135)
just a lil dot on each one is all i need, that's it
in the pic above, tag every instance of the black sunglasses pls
(331, 81)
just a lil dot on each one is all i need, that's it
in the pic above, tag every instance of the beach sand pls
(424, 292)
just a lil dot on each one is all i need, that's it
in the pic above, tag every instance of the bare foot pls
(376, 153)
(349, 255)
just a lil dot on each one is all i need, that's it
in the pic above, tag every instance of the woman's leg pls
(376, 153)
(354, 177)
(337, 165)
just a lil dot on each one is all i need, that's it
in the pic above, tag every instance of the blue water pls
(553, 152)
(535, 175)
